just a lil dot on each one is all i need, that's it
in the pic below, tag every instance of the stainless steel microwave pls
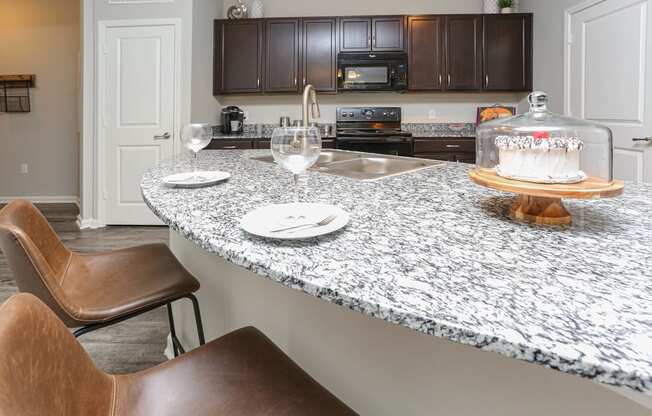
(372, 71)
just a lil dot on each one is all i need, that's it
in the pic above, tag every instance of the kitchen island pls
(431, 301)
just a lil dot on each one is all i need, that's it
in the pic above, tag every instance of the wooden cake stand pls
(542, 203)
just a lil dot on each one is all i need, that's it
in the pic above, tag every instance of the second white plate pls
(262, 221)
(195, 179)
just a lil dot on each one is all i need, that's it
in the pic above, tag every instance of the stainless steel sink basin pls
(363, 166)
(376, 167)
(326, 157)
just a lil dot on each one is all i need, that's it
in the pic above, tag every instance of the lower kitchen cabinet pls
(220, 144)
(451, 149)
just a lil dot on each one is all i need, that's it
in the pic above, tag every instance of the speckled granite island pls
(431, 301)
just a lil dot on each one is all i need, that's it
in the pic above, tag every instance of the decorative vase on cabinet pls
(256, 9)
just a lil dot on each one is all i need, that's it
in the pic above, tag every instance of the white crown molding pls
(49, 199)
(121, 2)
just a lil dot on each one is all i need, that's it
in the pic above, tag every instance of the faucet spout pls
(310, 94)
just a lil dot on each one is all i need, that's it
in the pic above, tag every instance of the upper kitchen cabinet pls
(507, 51)
(364, 34)
(319, 53)
(425, 67)
(238, 56)
(463, 52)
(282, 55)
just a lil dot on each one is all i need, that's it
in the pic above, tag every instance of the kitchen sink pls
(363, 166)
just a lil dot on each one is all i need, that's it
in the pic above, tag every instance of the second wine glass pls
(195, 137)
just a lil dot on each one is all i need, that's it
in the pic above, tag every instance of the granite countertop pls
(435, 253)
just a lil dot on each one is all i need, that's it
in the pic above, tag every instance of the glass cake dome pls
(544, 147)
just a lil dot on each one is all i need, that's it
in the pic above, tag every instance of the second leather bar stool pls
(91, 291)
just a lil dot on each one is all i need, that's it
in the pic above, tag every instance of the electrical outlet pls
(432, 114)
(24, 168)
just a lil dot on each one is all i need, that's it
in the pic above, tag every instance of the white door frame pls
(93, 181)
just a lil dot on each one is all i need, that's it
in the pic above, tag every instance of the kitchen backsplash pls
(417, 129)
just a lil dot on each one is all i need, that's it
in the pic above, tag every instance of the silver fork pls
(321, 223)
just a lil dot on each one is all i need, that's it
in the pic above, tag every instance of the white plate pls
(263, 220)
(195, 179)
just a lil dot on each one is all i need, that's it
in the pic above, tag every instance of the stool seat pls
(241, 373)
(102, 287)
(45, 371)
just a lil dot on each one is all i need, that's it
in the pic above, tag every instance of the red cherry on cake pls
(543, 135)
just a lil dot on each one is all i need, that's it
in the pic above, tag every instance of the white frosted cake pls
(540, 159)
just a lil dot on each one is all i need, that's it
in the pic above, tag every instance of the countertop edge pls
(595, 372)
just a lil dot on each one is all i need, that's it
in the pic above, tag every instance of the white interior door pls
(609, 78)
(138, 113)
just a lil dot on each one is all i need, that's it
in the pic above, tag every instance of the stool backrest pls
(44, 370)
(34, 253)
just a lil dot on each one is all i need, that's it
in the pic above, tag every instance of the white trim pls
(88, 163)
(47, 199)
(100, 150)
(88, 223)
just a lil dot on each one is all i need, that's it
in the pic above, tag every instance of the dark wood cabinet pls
(238, 56)
(507, 52)
(319, 53)
(363, 34)
(463, 52)
(282, 55)
(355, 34)
(387, 33)
(445, 52)
(451, 149)
(425, 67)
(224, 144)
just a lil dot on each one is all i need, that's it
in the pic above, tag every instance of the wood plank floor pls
(126, 347)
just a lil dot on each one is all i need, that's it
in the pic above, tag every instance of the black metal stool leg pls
(173, 333)
(200, 326)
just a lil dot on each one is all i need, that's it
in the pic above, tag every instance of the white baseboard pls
(42, 199)
(89, 223)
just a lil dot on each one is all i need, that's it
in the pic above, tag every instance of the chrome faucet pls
(309, 93)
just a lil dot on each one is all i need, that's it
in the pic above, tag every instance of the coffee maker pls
(232, 120)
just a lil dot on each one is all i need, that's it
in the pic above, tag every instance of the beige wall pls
(549, 46)
(419, 107)
(37, 37)
(204, 105)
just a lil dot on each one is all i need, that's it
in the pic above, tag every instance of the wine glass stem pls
(296, 187)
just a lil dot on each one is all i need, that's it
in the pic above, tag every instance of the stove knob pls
(351, 114)
(343, 114)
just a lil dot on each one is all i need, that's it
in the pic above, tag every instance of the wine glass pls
(296, 149)
(195, 137)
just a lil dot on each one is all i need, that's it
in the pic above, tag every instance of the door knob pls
(165, 136)
(642, 139)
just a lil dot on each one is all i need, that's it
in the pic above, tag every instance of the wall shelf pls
(14, 93)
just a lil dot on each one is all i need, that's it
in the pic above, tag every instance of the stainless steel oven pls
(372, 71)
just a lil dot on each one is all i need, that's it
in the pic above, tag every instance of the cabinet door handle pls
(228, 147)
(295, 81)
(165, 136)
(449, 80)
(486, 81)
(258, 82)
(452, 146)
(304, 81)
(642, 139)
(440, 80)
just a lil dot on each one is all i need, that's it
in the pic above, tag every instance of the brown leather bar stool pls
(45, 371)
(91, 291)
